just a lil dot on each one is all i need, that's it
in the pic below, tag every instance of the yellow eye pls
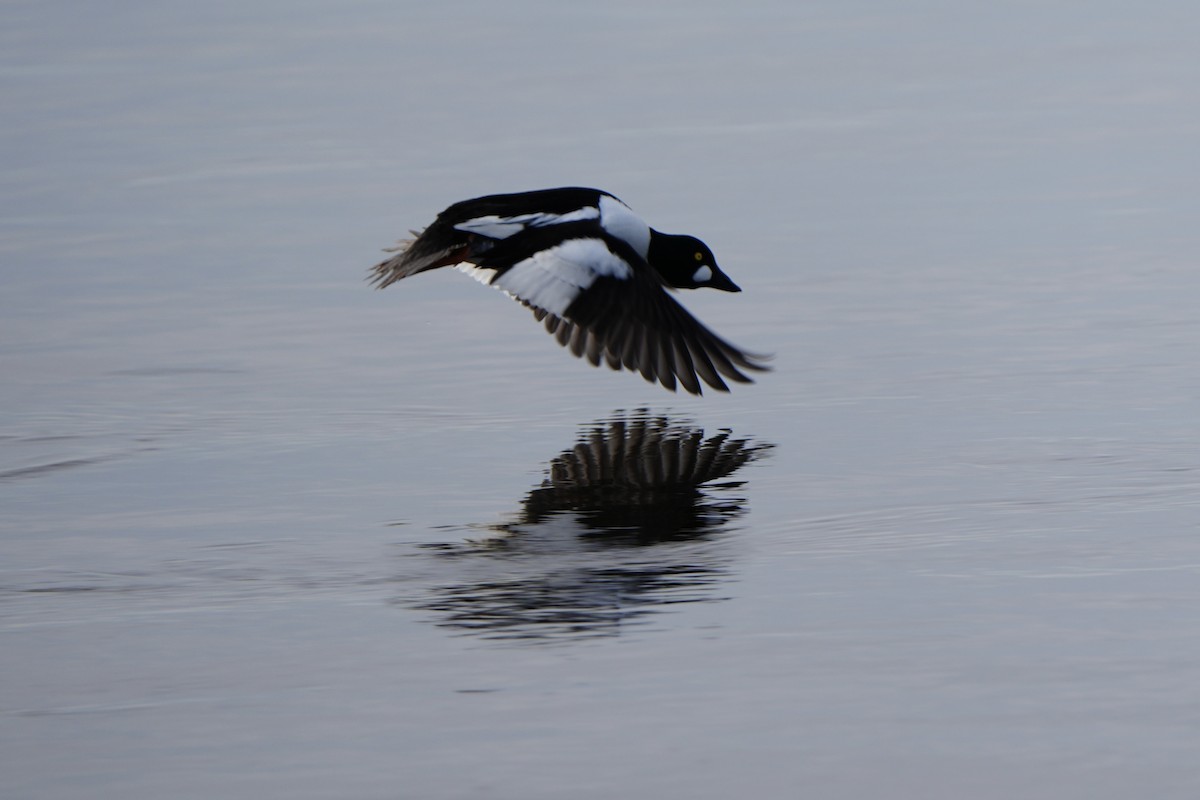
(699, 256)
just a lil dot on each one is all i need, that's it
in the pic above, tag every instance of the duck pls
(594, 273)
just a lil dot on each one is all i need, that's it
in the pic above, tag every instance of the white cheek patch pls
(494, 226)
(702, 275)
(551, 279)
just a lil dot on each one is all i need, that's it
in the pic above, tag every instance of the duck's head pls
(685, 262)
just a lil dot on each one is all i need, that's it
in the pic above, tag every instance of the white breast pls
(620, 221)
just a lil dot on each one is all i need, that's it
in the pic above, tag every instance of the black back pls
(551, 201)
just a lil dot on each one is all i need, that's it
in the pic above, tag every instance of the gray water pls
(269, 533)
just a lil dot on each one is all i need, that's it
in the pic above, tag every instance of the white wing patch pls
(478, 273)
(551, 279)
(495, 226)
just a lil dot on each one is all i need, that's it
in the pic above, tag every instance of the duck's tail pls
(425, 251)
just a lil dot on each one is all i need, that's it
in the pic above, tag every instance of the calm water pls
(268, 533)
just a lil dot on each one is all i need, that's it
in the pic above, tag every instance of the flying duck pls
(593, 272)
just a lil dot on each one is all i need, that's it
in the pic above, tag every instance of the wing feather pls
(604, 303)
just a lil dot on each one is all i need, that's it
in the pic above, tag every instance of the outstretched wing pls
(603, 302)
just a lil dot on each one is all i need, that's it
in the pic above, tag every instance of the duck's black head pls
(685, 262)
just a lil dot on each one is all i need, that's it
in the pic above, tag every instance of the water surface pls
(268, 533)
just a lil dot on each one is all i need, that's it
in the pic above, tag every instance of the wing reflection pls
(623, 524)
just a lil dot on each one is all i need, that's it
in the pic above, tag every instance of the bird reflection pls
(624, 524)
